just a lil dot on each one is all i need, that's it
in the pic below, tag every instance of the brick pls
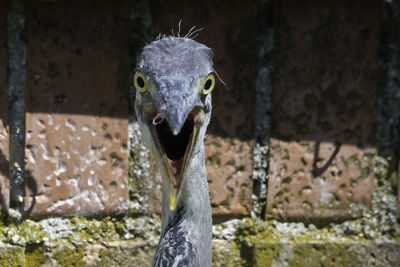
(229, 137)
(298, 188)
(228, 175)
(77, 107)
(323, 109)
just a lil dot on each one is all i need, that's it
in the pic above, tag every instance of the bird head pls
(173, 80)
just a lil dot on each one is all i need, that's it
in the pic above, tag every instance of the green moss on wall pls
(34, 256)
(323, 255)
(226, 254)
(266, 255)
(105, 258)
(11, 256)
(70, 257)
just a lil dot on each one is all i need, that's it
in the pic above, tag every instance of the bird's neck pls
(193, 205)
(194, 198)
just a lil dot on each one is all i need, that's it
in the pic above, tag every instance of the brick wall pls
(318, 116)
(323, 109)
(77, 107)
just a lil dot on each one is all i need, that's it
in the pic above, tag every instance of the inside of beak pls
(175, 145)
(175, 148)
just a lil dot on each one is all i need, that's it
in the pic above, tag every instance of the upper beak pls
(175, 98)
(176, 117)
(177, 133)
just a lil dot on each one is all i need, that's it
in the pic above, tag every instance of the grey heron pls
(173, 80)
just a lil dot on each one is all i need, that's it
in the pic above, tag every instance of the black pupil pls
(207, 85)
(140, 82)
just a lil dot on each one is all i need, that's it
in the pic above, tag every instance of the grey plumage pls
(173, 107)
(176, 56)
(175, 245)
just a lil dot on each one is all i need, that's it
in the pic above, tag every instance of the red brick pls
(77, 105)
(321, 98)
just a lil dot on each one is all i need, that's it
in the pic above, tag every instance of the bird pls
(174, 78)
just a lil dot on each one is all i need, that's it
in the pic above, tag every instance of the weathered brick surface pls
(323, 113)
(229, 141)
(228, 175)
(4, 183)
(77, 88)
(305, 185)
(323, 108)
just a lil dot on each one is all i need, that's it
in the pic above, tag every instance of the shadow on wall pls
(322, 96)
(85, 70)
(326, 69)
(78, 58)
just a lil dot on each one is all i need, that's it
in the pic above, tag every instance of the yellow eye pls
(140, 82)
(208, 84)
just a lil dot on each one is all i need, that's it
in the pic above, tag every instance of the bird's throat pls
(176, 171)
(193, 200)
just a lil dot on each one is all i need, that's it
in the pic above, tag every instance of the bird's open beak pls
(176, 120)
(176, 140)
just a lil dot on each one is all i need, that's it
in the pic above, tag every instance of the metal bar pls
(388, 96)
(262, 109)
(139, 157)
(17, 46)
(389, 90)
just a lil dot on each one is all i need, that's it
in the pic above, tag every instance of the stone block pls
(127, 241)
(225, 253)
(11, 255)
(325, 254)
(230, 133)
(323, 109)
(120, 253)
(77, 108)
(398, 190)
